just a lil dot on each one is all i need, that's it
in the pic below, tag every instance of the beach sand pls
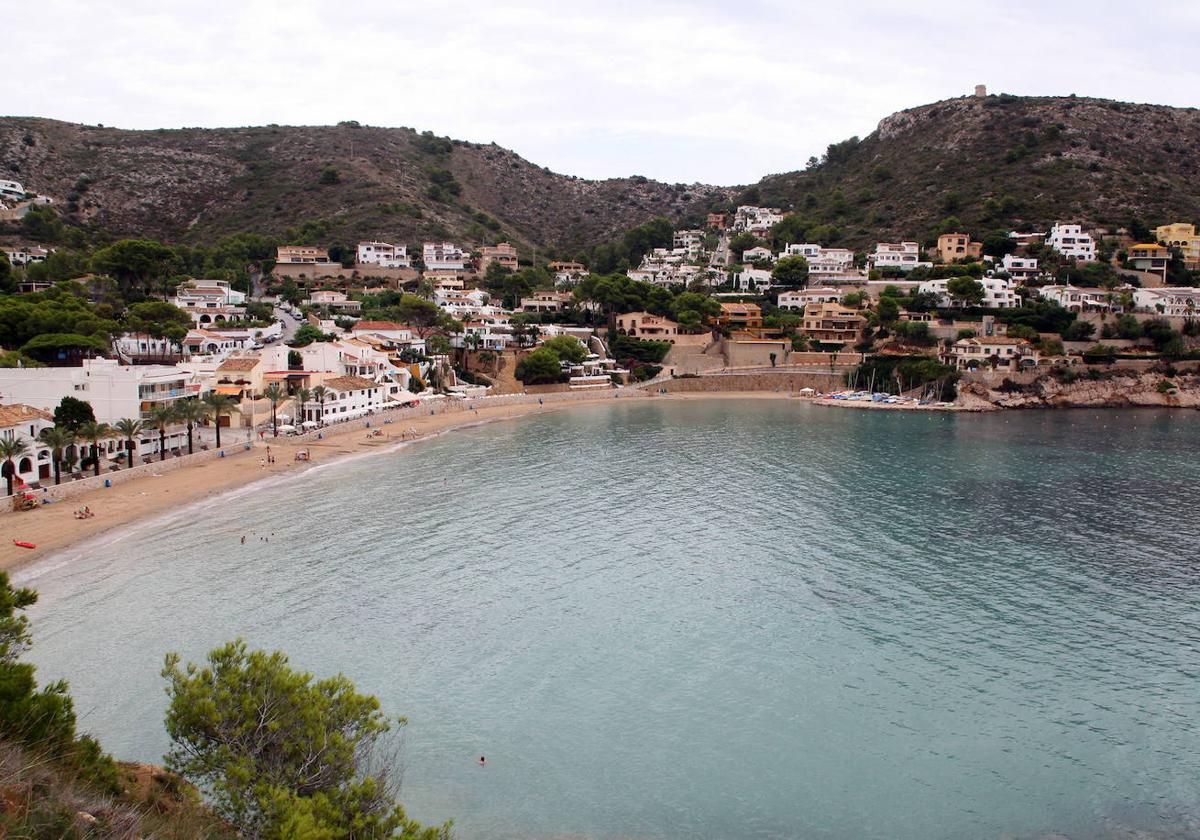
(53, 528)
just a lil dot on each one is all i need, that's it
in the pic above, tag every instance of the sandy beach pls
(53, 528)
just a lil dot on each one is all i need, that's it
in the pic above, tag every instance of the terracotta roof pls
(349, 383)
(12, 415)
(366, 326)
(239, 363)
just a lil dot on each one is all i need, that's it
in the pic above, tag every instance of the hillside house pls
(1020, 269)
(832, 323)
(443, 256)
(958, 246)
(740, 316)
(1071, 241)
(301, 255)
(647, 326)
(1184, 237)
(382, 255)
(1151, 258)
(795, 300)
(504, 255)
(902, 255)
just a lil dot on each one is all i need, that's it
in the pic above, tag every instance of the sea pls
(706, 619)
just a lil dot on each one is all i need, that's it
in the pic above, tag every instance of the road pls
(290, 324)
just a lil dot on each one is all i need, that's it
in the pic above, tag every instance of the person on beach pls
(482, 761)
(243, 539)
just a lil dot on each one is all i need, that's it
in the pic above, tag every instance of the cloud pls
(682, 91)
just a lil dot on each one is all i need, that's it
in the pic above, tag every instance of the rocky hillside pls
(344, 182)
(1002, 161)
(986, 163)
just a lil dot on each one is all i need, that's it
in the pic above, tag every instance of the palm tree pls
(193, 413)
(95, 432)
(128, 429)
(276, 395)
(218, 405)
(58, 438)
(11, 448)
(302, 396)
(318, 394)
(162, 416)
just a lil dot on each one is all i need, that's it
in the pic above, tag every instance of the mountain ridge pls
(977, 162)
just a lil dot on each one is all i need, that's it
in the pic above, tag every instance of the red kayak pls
(23, 544)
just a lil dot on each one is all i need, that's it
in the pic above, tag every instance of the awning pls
(228, 390)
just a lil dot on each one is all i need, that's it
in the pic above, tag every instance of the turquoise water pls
(711, 619)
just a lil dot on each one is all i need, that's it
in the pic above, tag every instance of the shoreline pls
(138, 503)
(133, 505)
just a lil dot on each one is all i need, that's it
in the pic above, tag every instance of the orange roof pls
(366, 326)
(239, 363)
(349, 383)
(11, 415)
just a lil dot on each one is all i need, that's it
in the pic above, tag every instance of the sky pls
(712, 92)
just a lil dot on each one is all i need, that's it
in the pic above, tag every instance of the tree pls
(966, 291)
(307, 334)
(318, 394)
(162, 416)
(95, 432)
(888, 310)
(692, 309)
(302, 396)
(281, 754)
(218, 406)
(539, 367)
(128, 429)
(790, 271)
(423, 315)
(135, 263)
(58, 439)
(276, 395)
(71, 413)
(11, 448)
(568, 348)
(192, 413)
(741, 242)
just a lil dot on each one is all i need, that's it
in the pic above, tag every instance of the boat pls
(23, 544)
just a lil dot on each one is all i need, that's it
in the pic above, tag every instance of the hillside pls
(1002, 161)
(986, 163)
(347, 182)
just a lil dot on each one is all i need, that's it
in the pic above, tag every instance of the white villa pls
(797, 299)
(1020, 269)
(902, 255)
(443, 256)
(1076, 299)
(997, 292)
(1180, 302)
(1071, 241)
(383, 255)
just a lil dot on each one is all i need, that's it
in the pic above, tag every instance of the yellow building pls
(832, 323)
(957, 246)
(1182, 236)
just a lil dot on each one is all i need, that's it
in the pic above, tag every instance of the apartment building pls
(504, 255)
(832, 323)
(301, 255)
(902, 255)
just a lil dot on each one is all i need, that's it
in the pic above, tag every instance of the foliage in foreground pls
(42, 719)
(281, 754)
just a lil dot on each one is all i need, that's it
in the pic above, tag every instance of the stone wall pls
(767, 380)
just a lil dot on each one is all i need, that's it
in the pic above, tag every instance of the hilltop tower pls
(980, 91)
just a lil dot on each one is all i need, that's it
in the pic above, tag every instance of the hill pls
(344, 182)
(983, 164)
(1001, 162)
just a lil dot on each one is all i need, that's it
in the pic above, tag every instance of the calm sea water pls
(714, 619)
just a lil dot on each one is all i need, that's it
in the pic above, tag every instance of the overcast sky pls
(719, 92)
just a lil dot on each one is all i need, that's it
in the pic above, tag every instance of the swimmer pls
(482, 761)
